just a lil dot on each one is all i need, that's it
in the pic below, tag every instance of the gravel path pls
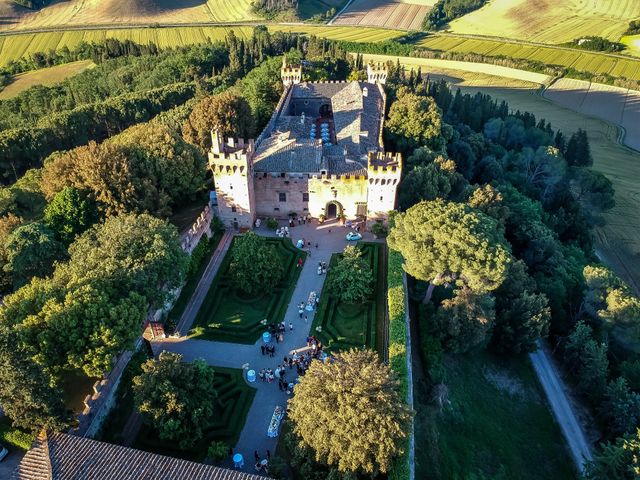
(331, 239)
(557, 397)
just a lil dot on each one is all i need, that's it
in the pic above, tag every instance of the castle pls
(320, 154)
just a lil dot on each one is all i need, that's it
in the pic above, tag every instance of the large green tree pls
(255, 265)
(522, 321)
(619, 460)
(70, 213)
(177, 399)
(227, 113)
(434, 180)
(587, 360)
(31, 251)
(444, 242)
(350, 279)
(350, 413)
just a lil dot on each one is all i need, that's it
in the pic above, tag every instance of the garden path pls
(330, 238)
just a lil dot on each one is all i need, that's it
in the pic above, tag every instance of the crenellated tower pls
(232, 166)
(383, 176)
(290, 74)
(377, 73)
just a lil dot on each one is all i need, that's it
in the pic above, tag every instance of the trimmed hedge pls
(398, 346)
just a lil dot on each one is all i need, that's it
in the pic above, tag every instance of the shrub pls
(218, 451)
(379, 229)
(272, 223)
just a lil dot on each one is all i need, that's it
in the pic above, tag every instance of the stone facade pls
(320, 154)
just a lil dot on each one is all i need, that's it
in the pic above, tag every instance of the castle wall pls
(346, 191)
(381, 193)
(267, 194)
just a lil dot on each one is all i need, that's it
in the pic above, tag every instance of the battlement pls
(384, 163)
(290, 74)
(377, 73)
(232, 155)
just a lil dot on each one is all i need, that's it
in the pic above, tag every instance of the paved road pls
(10, 463)
(330, 238)
(557, 397)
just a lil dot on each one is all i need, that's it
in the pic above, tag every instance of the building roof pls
(357, 110)
(60, 456)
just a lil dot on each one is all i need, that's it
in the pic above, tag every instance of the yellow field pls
(633, 44)
(580, 60)
(15, 46)
(105, 12)
(45, 76)
(550, 21)
(405, 15)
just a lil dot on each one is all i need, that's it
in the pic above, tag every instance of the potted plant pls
(322, 218)
(343, 218)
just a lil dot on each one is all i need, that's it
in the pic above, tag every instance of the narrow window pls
(305, 197)
(282, 197)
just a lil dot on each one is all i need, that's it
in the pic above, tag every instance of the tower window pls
(233, 208)
(305, 197)
(380, 198)
(282, 197)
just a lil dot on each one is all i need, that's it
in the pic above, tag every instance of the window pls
(276, 209)
(282, 197)
(230, 187)
(305, 209)
(233, 208)
(305, 197)
(380, 198)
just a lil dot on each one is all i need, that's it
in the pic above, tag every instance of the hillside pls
(101, 12)
(550, 21)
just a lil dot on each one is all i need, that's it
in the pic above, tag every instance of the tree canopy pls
(69, 213)
(445, 242)
(177, 399)
(350, 279)
(255, 265)
(349, 412)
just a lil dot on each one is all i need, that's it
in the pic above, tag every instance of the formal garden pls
(236, 306)
(340, 324)
(222, 393)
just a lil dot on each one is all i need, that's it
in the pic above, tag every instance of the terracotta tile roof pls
(68, 457)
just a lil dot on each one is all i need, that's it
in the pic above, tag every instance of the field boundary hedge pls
(400, 355)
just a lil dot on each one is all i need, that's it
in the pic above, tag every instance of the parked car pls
(3, 452)
(353, 236)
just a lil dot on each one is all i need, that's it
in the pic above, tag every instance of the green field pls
(341, 326)
(578, 59)
(13, 47)
(44, 76)
(227, 316)
(495, 424)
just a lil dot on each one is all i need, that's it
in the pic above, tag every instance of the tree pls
(26, 394)
(69, 213)
(414, 121)
(31, 251)
(255, 265)
(227, 113)
(464, 321)
(434, 180)
(489, 201)
(350, 413)
(8, 223)
(620, 407)
(350, 279)
(443, 243)
(133, 253)
(522, 322)
(595, 189)
(617, 461)
(578, 152)
(588, 360)
(177, 399)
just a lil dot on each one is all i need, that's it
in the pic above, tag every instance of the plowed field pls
(386, 13)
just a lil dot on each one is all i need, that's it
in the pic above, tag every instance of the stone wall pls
(347, 191)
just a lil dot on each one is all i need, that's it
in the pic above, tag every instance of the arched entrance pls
(333, 209)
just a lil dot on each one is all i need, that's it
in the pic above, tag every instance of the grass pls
(496, 424)
(45, 76)
(549, 21)
(592, 62)
(227, 316)
(310, 8)
(15, 46)
(14, 438)
(343, 325)
(232, 406)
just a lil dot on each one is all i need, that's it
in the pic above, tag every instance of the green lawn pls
(228, 316)
(496, 424)
(344, 325)
(234, 400)
(14, 438)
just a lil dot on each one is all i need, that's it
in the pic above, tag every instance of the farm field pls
(578, 59)
(549, 21)
(45, 76)
(309, 8)
(15, 46)
(405, 15)
(633, 44)
(104, 12)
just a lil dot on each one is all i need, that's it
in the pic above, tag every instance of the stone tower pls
(377, 73)
(232, 168)
(290, 74)
(383, 176)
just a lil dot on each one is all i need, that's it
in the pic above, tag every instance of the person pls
(256, 456)
(262, 347)
(286, 359)
(306, 319)
(280, 386)
(262, 375)
(316, 245)
(290, 326)
(280, 337)
(300, 310)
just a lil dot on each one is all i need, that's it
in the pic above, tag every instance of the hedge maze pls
(230, 316)
(341, 326)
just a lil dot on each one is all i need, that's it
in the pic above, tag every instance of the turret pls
(384, 171)
(290, 74)
(232, 164)
(377, 73)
